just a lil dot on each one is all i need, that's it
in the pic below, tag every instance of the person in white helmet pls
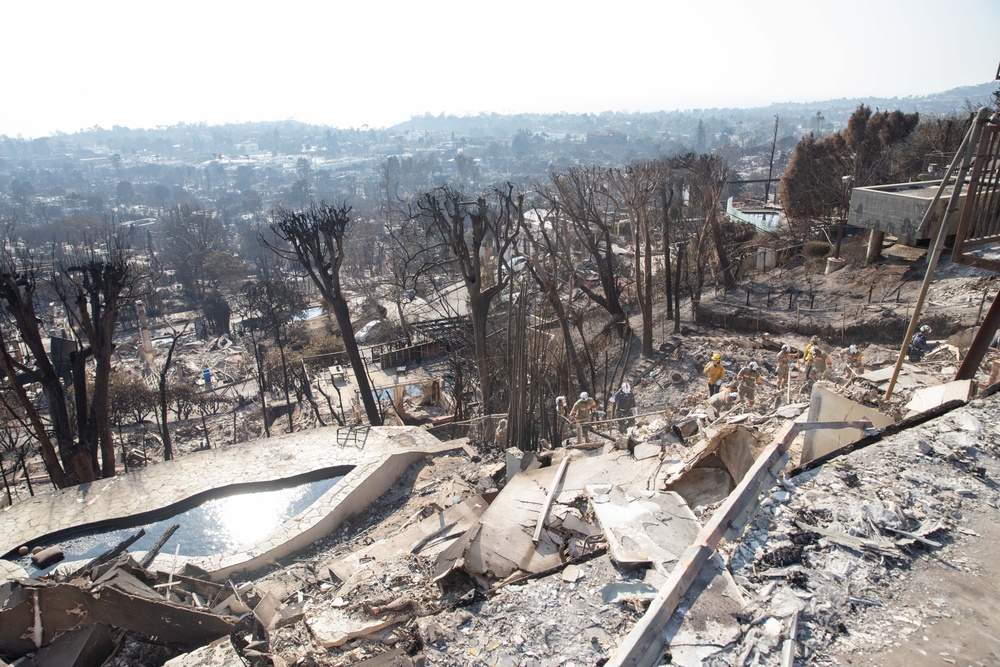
(561, 421)
(584, 409)
(855, 366)
(748, 378)
(500, 436)
(785, 359)
(919, 345)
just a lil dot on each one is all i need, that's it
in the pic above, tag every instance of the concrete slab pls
(732, 447)
(927, 398)
(332, 627)
(826, 406)
(643, 528)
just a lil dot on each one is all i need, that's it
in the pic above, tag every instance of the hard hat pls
(753, 365)
(560, 399)
(925, 329)
(814, 338)
(583, 394)
(626, 387)
(716, 356)
(786, 348)
(817, 352)
(854, 349)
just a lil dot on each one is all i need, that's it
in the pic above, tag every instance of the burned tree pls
(270, 304)
(635, 188)
(548, 243)
(163, 395)
(14, 440)
(705, 176)
(580, 194)
(316, 240)
(469, 229)
(91, 286)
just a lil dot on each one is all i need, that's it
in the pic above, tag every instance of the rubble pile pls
(532, 559)
(832, 546)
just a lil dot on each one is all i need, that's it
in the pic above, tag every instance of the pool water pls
(216, 526)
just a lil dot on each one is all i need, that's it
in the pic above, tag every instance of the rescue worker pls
(562, 418)
(722, 400)
(919, 345)
(819, 362)
(785, 357)
(562, 407)
(584, 409)
(715, 372)
(855, 366)
(500, 437)
(623, 401)
(806, 353)
(748, 378)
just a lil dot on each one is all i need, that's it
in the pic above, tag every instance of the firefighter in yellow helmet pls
(715, 371)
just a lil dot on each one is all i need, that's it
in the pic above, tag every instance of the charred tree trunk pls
(342, 314)
(666, 199)
(49, 456)
(728, 279)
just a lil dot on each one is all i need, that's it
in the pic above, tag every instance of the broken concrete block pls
(518, 461)
(826, 406)
(571, 521)
(646, 450)
(927, 398)
(290, 613)
(45, 557)
(632, 590)
(687, 428)
(267, 609)
(428, 537)
(571, 574)
(653, 529)
(335, 627)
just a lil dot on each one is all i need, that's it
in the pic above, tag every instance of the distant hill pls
(833, 111)
(946, 102)
(661, 128)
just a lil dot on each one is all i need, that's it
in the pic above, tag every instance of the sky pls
(70, 65)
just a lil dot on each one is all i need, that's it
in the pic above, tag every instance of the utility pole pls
(770, 168)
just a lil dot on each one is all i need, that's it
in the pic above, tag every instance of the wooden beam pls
(549, 497)
(643, 646)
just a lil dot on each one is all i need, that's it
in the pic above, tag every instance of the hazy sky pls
(349, 63)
